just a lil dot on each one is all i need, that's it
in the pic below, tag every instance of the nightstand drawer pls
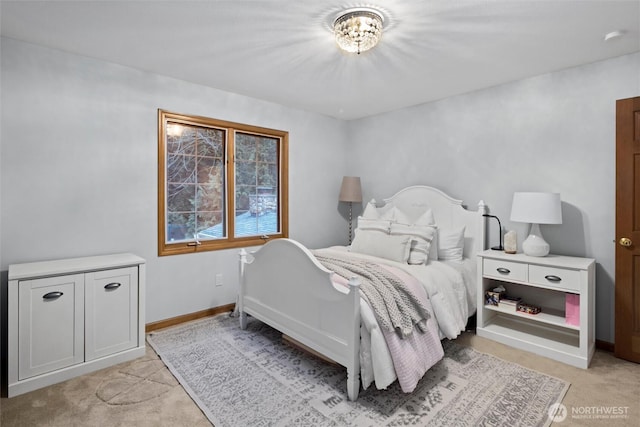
(506, 270)
(555, 277)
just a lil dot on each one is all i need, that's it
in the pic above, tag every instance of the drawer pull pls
(111, 286)
(53, 295)
(503, 270)
(552, 278)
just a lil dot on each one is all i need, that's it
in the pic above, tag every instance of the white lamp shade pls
(536, 208)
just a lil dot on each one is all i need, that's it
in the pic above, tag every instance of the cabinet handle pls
(552, 278)
(503, 270)
(110, 286)
(53, 295)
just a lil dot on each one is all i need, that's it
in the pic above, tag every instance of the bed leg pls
(239, 301)
(353, 367)
(353, 384)
(243, 320)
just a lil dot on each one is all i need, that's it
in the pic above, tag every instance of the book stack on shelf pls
(509, 303)
(528, 308)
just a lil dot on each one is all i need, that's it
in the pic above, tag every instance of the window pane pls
(243, 195)
(180, 139)
(256, 185)
(246, 173)
(180, 168)
(210, 225)
(246, 147)
(268, 150)
(179, 226)
(195, 182)
(268, 175)
(256, 225)
(211, 142)
(180, 197)
(209, 198)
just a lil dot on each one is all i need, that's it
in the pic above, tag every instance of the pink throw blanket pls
(414, 355)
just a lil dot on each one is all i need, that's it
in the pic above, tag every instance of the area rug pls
(253, 378)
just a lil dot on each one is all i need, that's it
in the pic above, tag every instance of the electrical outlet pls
(218, 279)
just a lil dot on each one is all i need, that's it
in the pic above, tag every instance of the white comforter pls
(451, 291)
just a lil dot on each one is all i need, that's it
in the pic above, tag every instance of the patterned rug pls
(252, 378)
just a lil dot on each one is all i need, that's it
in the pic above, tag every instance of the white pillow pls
(370, 242)
(425, 219)
(422, 237)
(433, 249)
(450, 244)
(382, 225)
(373, 212)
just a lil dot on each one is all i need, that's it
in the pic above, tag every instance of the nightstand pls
(543, 282)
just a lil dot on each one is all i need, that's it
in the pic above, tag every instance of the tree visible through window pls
(220, 184)
(256, 183)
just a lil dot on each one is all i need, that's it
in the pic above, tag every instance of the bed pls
(285, 285)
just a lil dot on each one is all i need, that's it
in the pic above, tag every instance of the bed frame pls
(283, 285)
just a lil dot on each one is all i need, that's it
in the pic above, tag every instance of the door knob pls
(625, 242)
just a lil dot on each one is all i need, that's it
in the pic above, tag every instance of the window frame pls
(230, 241)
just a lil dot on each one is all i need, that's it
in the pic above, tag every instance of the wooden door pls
(627, 339)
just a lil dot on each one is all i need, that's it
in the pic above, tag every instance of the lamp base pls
(534, 244)
(497, 248)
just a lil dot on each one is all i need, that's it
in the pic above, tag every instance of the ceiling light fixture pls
(358, 30)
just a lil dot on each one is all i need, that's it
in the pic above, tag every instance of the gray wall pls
(554, 132)
(79, 146)
(79, 169)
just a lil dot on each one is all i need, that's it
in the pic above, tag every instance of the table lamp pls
(536, 208)
(499, 247)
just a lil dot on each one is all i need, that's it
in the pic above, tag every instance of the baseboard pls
(153, 326)
(605, 345)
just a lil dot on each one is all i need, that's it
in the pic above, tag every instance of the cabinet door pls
(111, 311)
(51, 324)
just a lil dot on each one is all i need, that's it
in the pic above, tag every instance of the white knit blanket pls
(394, 304)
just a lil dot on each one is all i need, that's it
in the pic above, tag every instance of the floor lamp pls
(350, 191)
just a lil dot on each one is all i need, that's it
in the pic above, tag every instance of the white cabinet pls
(73, 316)
(544, 282)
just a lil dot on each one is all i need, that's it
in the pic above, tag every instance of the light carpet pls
(252, 378)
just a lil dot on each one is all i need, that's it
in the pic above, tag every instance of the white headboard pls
(447, 211)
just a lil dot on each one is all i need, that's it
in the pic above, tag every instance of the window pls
(220, 184)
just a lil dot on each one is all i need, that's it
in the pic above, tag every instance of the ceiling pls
(283, 50)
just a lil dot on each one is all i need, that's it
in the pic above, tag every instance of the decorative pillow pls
(425, 219)
(382, 225)
(422, 237)
(370, 242)
(373, 212)
(450, 244)
(433, 249)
